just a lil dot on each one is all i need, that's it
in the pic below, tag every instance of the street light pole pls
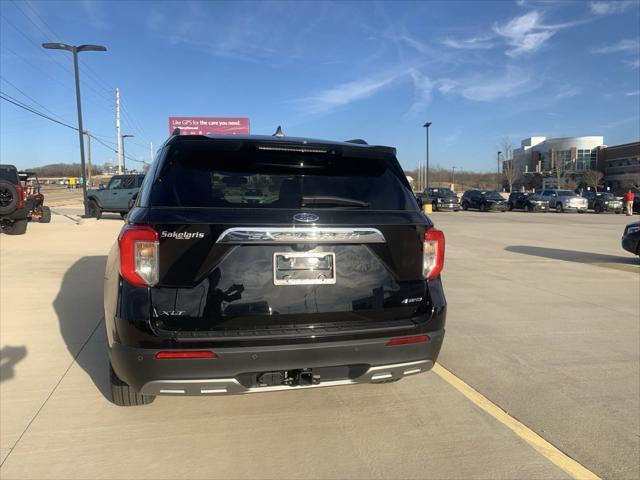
(453, 176)
(75, 50)
(427, 125)
(124, 158)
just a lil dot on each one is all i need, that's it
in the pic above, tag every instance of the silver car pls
(564, 200)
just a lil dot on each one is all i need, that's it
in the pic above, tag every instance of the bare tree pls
(510, 170)
(559, 169)
(593, 178)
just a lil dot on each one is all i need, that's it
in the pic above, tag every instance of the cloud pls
(606, 8)
(568, 91)
(492, 88)
(96, 13)
(625, 46)
(345, 94)
(470, 43)
(423, 88)
(634, 64)
(633, 94)
(526, 33)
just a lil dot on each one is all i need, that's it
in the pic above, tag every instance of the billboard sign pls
(209, 125)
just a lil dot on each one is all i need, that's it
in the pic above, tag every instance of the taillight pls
(433, 253)
(22, 196)
(139, 255)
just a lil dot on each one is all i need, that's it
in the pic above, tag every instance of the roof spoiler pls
(359, 141)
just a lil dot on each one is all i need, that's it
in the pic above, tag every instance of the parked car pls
(333, 280)
(564, 200)
(14, 212)
(443, 199)
(631, 238)
(529, 201)
(115, 197)
(37, 210)
(602, 202)
(483, 200)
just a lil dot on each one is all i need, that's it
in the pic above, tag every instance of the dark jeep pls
(14, 212)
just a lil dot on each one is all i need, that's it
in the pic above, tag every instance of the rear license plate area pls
(302, 268)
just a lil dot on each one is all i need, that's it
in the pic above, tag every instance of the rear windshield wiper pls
(329, 201)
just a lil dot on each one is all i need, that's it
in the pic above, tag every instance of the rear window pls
(9, 174)
(196, 176)
(566, 193)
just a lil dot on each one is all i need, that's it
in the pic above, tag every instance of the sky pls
(479, 71)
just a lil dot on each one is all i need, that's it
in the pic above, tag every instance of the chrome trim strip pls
(238, 235)
(229, 386)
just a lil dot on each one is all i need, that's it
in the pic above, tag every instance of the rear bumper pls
(19, 214)
(235, 369)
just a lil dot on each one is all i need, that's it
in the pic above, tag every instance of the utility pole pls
(88, 157)
(118, 131)
(453, 176)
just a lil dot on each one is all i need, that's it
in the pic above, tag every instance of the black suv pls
(253, 264)
(603, 202)
(528, 201)
(14, 212)
(443, 199)
(483, 200)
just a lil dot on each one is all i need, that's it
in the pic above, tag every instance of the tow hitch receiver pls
(302, 378)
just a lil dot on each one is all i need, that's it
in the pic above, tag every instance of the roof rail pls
(176, 132)
(359, 141)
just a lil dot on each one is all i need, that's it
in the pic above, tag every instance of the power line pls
(32, 99)
(8, 98)
(35, 11)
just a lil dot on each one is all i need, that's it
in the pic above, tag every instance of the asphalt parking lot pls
(543, 321)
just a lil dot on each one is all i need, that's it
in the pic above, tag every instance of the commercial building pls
(542, 157)
(621, 166)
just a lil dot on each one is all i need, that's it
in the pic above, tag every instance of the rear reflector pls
(199, 354)
(407, 340)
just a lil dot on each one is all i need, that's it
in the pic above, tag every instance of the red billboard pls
(209, 125)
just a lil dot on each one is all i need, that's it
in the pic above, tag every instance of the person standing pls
(629, 197)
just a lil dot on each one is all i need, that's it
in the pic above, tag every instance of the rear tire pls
(510, 206)
(123, 215)
(46, 215)
(559, 208)
(19, 227)
(94, 210)
(465, 206)
(434, 206)
(125, 396)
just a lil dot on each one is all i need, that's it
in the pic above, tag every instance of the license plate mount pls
(304, 268)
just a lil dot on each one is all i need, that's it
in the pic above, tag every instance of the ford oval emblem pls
(306, 217)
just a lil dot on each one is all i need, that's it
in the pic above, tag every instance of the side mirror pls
(101, 186)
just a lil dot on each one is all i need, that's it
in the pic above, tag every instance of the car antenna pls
(279, 132)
